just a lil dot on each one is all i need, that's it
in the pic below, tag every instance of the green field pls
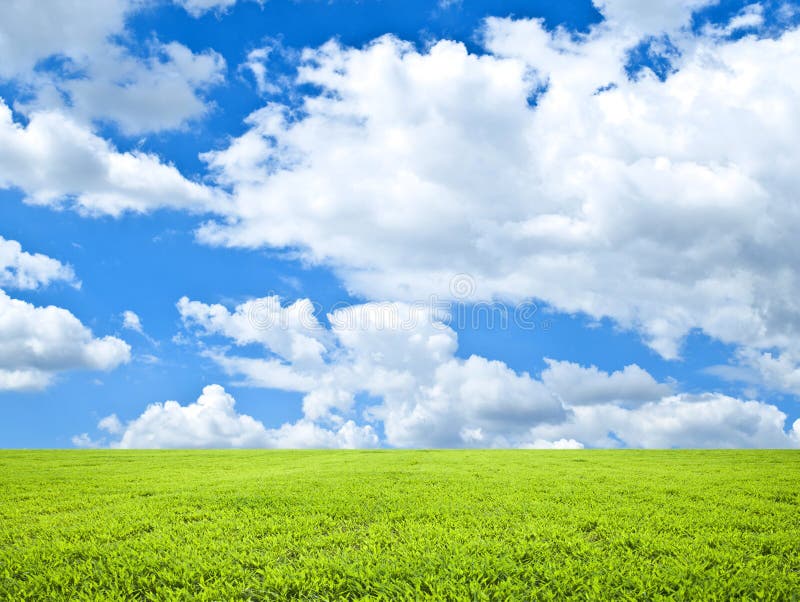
(399, 525)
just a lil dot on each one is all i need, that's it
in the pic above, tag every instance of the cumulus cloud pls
(540, 167)
(560, 444)
(22, 270)
(769, 369)
(93, 74)
(198, 8)
(256, 64)
(212, 421)
(56, 161)
(33, 31)
(293, 332)
(578, 385)
(37, 343)
(391, 351)
(544, 171)
(680, 421)
(111, 424)
(131, 321)
(749, 18)
(403, 358)
(652, 17)
(160, 92)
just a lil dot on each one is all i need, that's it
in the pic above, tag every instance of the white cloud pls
(160, 92)
(36, 343)
(687, 421)
(32, 31)
(111, 424)
(256, 64)
(391, 351)
(750, 17)
(131, 321)
(85, 441)
(423, 395)
(56, 161)
(664, 205)
(197, 8)
(22, 270)
(707, 422)
(94, 76)
(775, 371)
(560, 444)
(577, 385)
(212, 421)
(651, 17)
(292, 332)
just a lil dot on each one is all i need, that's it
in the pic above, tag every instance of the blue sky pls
(280, 193)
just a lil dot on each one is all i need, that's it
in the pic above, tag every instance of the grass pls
(399, 525)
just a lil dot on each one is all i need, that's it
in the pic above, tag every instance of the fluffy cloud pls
(392, 351)
(197, 8)
(545, 171)
(131, 321)
(212, 421)
(578, 386)
(256, 64)
(22, 270)
(93, 75)
(32, 31)
(55, 160)
(560, 444)
(160, 92)
(403, 358)
(540, 167)
(688, 421)
(36, 343)
(653, 17)
(292, 332)
(777, 371)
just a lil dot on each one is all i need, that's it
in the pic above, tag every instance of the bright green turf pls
(443, 525)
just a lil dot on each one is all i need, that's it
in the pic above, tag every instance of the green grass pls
(399, 525)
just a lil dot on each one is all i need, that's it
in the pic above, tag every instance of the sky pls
(374, 223)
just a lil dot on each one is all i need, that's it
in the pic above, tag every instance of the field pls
(397, 525)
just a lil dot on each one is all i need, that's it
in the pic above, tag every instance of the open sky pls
(386, 223)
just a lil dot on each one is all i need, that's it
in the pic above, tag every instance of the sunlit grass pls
(443, 525)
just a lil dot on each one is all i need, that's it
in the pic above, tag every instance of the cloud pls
(544, 171)
(22, 270)
(292, 332)
(33, 31)
(768, 369)
(198, 8)
(93, 74)
(653, 17)
(56, 161)
(708, 420)
(392, 351)
(750, 17)
(212, 421)
(402, 358)
(160, 92)
(37, 343)
(560, 444)
(672, 215)
(131, 321)
(85, 441)
(256, 64)
(111, 424)
(577, 385)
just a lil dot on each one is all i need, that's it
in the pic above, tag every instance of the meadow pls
(399, 525)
